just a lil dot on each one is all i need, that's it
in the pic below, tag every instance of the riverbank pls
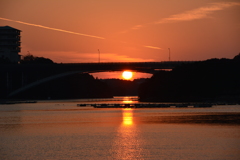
(16, 101)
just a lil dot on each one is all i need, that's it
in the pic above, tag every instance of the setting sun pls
(127, 75)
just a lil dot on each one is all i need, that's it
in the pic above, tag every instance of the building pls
(10, 44)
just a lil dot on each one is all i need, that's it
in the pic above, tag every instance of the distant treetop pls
(237, 57)
(30, 59)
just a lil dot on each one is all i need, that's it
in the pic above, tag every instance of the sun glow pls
(127, 75)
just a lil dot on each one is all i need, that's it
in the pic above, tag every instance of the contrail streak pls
(55, 29)
(61, 30)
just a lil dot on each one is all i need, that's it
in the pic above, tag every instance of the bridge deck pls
(94, 67)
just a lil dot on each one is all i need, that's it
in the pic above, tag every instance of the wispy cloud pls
(137, 27)
(55, 29)
(199, 13)
(152, 47)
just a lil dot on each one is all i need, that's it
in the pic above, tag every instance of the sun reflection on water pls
(127, 116)
(127, 101)
(127, 144)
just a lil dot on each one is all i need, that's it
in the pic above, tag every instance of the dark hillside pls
(210, 80)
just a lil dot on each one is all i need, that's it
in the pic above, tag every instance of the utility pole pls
(98, 56)
(169, 54)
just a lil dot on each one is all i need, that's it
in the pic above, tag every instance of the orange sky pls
(72, 31)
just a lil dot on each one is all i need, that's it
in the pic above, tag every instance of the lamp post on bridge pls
(98, 56)
(169, 54)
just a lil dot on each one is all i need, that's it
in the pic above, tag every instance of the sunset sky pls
(72, 31)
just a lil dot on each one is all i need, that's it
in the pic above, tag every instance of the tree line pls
(27, 59)
(206, 81)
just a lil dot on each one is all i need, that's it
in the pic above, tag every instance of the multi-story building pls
(10, 44)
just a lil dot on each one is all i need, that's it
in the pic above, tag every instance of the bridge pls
(147, 67)
(48, 72)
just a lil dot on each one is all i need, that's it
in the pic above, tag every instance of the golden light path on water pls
(60, 130)
(128, 143)
(127, 116)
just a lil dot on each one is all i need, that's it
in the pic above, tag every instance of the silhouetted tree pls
(120, 87)
(237, 57)
(210, 80)
(30, 59)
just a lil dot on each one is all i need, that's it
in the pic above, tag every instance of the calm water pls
(61, 130)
